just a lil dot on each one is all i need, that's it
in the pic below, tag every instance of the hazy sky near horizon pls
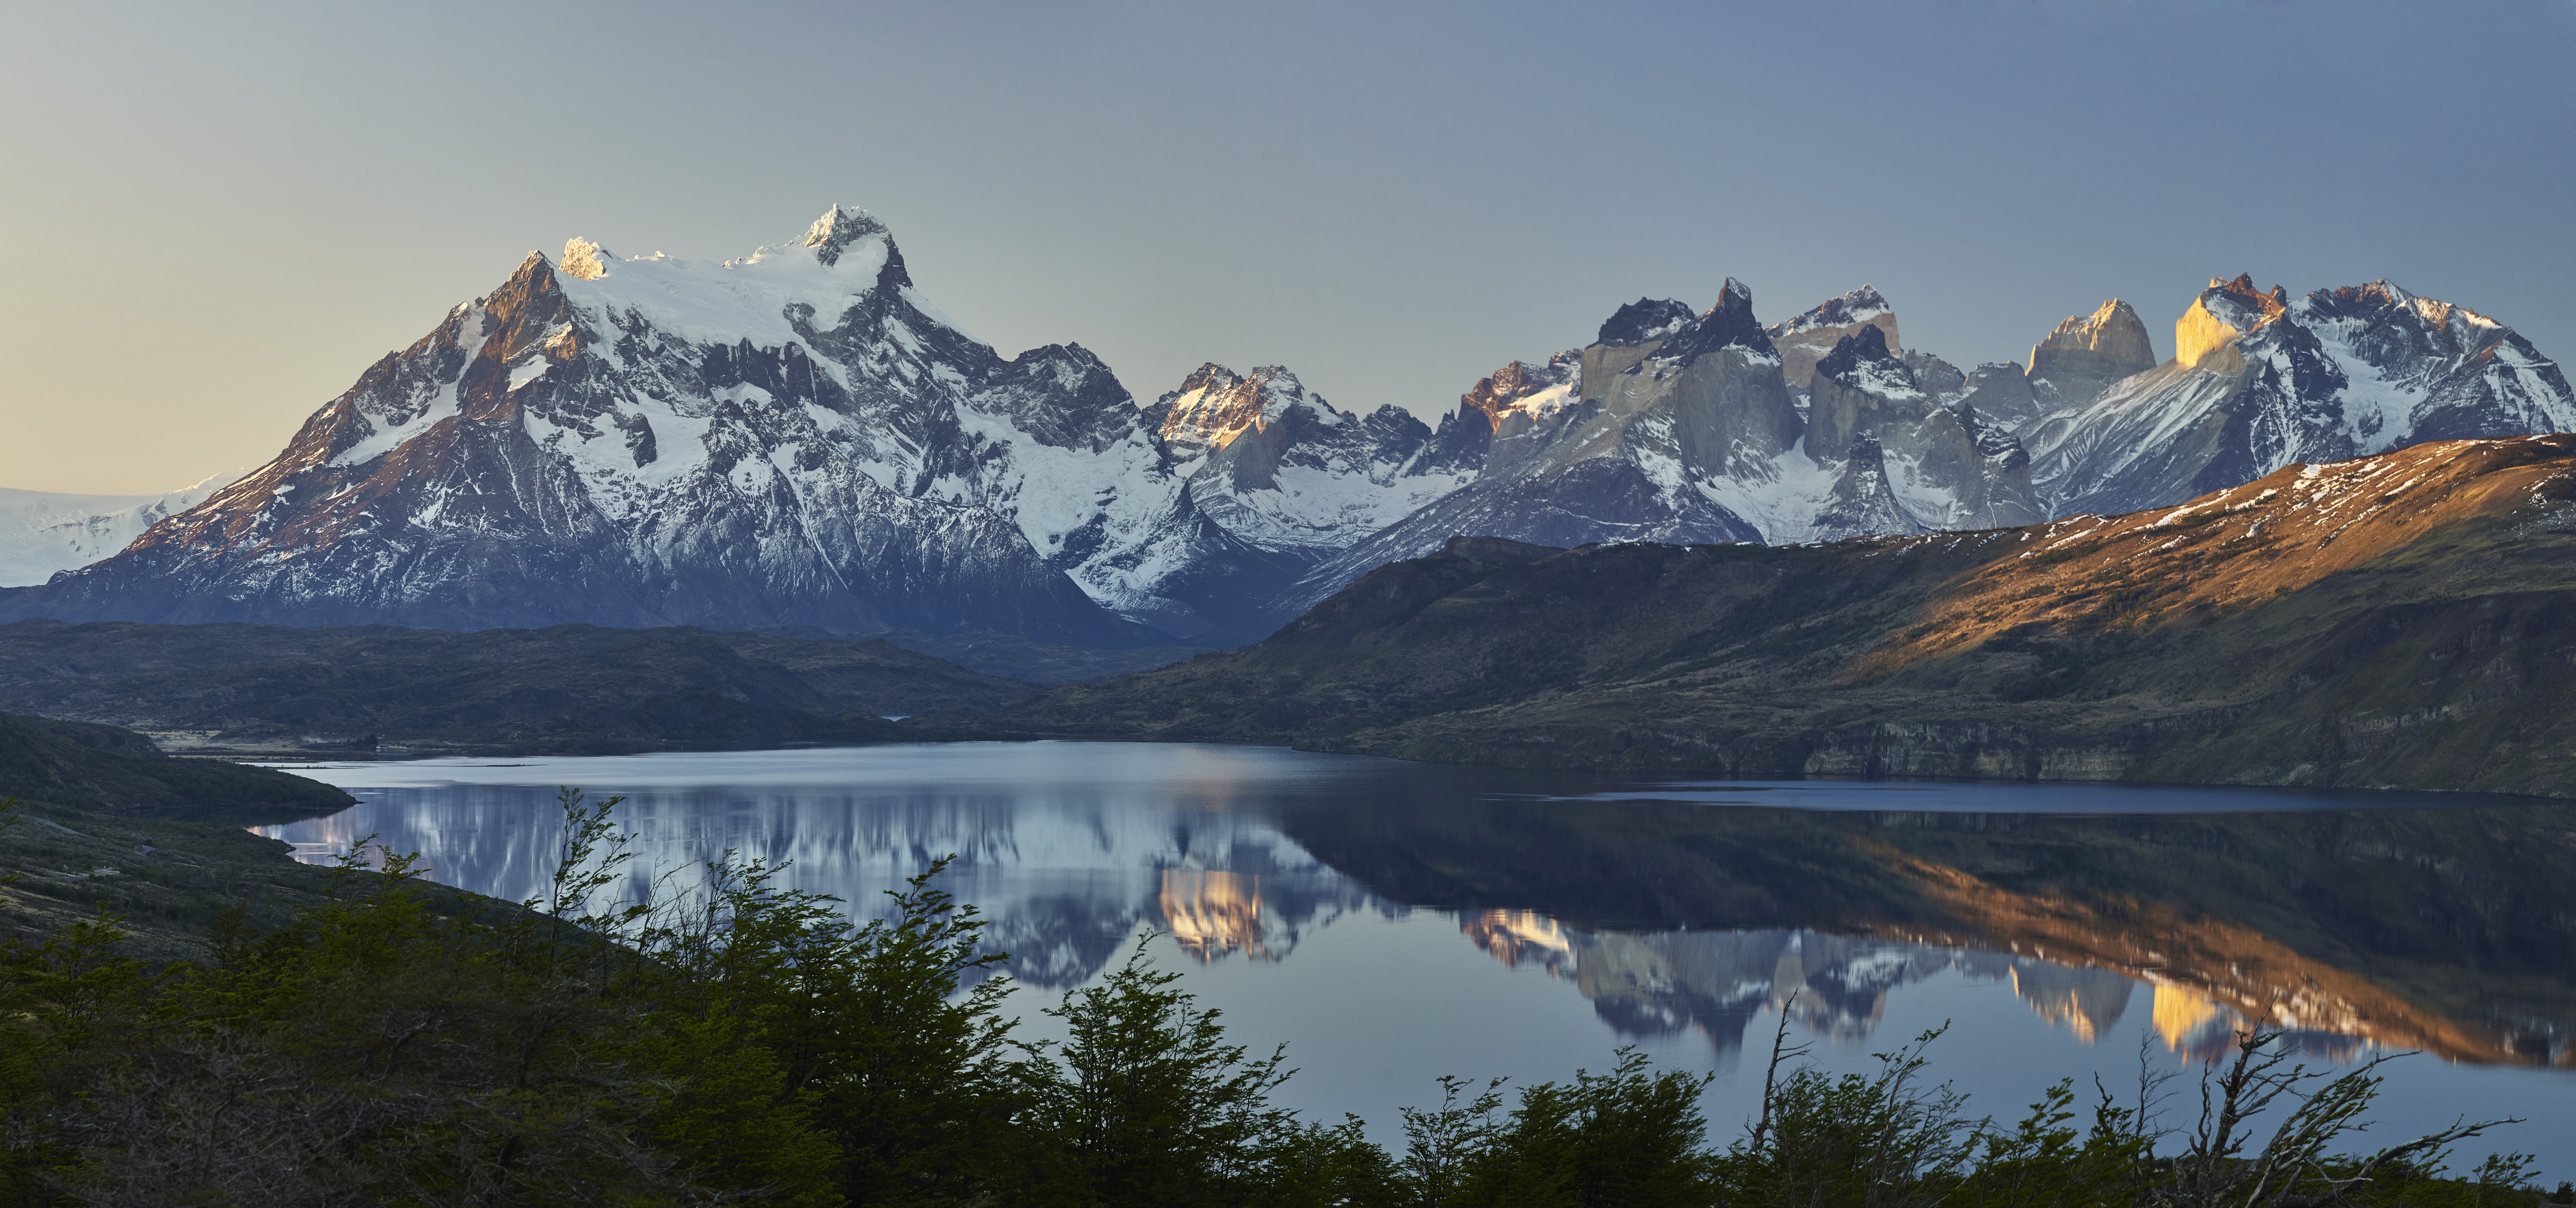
(213, 218)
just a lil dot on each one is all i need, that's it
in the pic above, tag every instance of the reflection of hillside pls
(1716, 982)
(2206, 969)
(1063, 887)
(2452, 931)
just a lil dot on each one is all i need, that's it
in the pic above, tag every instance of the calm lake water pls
(1394, 922)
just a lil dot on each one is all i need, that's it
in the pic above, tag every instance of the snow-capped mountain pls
(797, 436)
(43, 531)
(1276, 465)
(1680, 427)
(2260, 380)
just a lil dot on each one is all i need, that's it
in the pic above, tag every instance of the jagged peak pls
(2243, 293)
(2086, 329)
(1867, 344)
(2206, 334)
(1729, 324)
(585, 259)
(1854, 306)
(837, 229)
(1643, 321)
(1209, 376)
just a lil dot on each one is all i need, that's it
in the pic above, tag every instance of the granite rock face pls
(2087, 353)
(1690, 433)
(2001, 392)
(1922, 465)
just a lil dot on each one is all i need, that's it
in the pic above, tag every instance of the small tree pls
(1145, 1103)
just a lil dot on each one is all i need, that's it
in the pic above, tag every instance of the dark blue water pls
(1394, 922)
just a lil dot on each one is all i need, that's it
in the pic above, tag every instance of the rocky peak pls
(1805, 339)
(2087, 353)
(1935, 376)
(1644, 321)
(1729, 324)
(1865, 362)
(1519, 380)
(837, 229)
(2205, 336)
(2000, 391)
(1857, 306)
(1215, 406)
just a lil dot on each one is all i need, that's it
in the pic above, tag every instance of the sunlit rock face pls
(2261, 380)
(2088, 353)
(1806, 339)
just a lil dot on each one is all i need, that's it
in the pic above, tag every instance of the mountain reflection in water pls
(1679, 922)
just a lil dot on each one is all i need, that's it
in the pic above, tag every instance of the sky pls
(213, 218)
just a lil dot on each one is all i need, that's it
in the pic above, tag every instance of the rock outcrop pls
(1934, 466)
(1804, 340)
(2088, 353)
(2000, 391)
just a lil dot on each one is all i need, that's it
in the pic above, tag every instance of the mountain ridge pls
(2088, 649)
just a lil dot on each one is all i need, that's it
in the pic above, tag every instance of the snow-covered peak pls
(2241, 306)
(1858, 306)
(845, 259)
(1863, 362)
(1644, 321)
(1729, 324)
(42, 532)
(837, 229)
(2205, 336)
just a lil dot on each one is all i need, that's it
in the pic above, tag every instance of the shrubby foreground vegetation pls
(744, 1043)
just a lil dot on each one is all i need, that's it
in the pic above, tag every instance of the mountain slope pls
(2261, 380)
(795, 437)
(42, 532)
(2403, 620)
(1677, 427)
(569, 688)
(99, 767)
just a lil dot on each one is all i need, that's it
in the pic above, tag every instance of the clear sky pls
(213, 217)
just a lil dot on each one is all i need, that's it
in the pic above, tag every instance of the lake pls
(1394, 922)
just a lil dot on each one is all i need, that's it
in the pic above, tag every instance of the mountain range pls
(2396, 621)
(799, 438)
